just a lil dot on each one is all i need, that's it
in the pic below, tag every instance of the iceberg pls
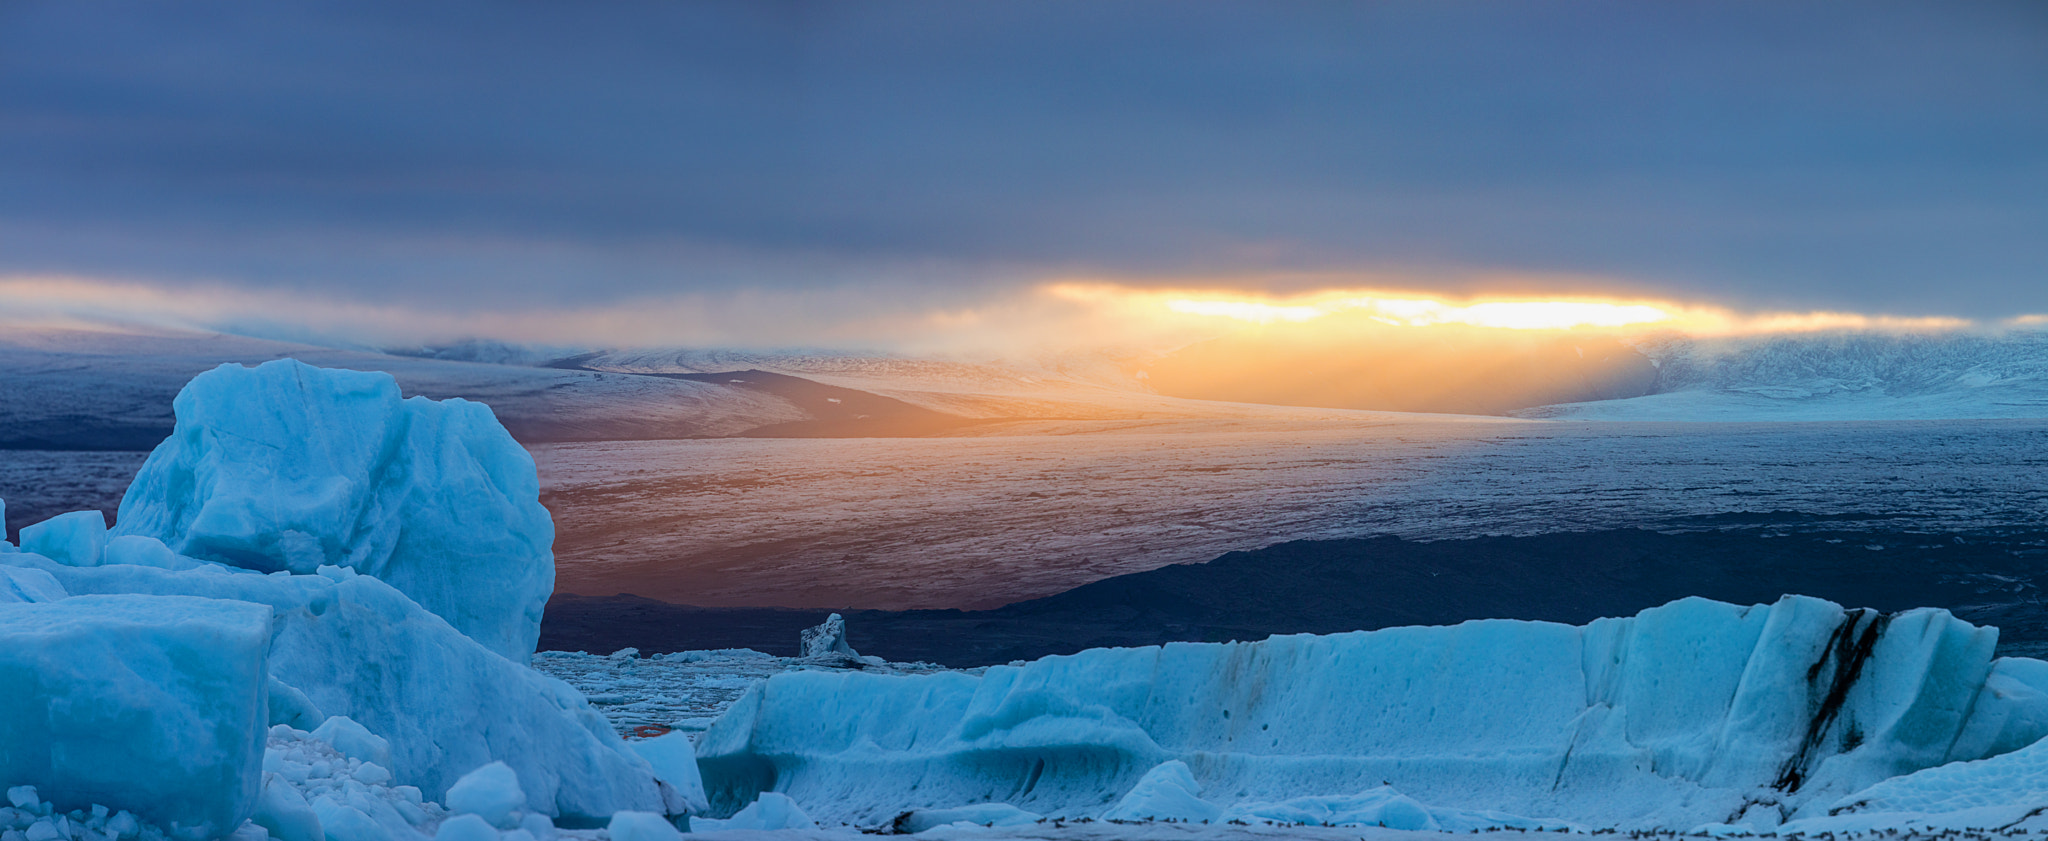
(153, 705)
(1692, 713)
(288, 467)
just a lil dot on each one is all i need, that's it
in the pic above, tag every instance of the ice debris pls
(979, 814)
(674, 759)
(491, 792)
(770, 812)
(285, 466)
(641, 826)
(1687, 714)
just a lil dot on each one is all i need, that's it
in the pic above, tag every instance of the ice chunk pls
(674, 758)
(1382, 806)
(979, 814)
(1167, 792)
(466, 828)
(641, 826)
(771, 812)
(150, 704)
(490, 792)
(289, 706)
(1998, 791)
(1685, 714)
(353, 739)
(285, 814)
(290, 467)
(19, 584)
(144, 551)
(343, 822)
(358, 648)
(77, 538)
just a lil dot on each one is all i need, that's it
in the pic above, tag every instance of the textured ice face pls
(285, 466)
(1686, 714)
(152, 704)
(351, 645)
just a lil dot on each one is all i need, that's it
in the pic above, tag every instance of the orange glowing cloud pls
(1187, 306)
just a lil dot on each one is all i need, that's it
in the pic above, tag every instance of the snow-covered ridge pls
(1836, 376)
(1693, 713)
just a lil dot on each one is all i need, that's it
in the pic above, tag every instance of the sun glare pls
(1191, 308)
(1423, 312)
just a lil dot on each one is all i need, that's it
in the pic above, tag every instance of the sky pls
(815, 173)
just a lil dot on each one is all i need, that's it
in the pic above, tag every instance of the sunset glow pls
(1220, 308)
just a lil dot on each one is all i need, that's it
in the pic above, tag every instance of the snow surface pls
(1687, 714)
(285, 466)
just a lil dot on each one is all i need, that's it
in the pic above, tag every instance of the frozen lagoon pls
(1047, 506)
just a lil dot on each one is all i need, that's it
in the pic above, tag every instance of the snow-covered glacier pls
(1835, 375)
(1690, 714)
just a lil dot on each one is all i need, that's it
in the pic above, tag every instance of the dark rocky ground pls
(1330, 586)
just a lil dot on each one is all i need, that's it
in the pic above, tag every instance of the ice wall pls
(147, 703)
(351, 645)
(285, 466)
(1691, 713)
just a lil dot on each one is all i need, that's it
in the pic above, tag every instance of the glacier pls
(285, 466)
(1689, 714)
(1833, 375)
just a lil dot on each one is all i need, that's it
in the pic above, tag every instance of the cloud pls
(1050, 317)
(1867, 157)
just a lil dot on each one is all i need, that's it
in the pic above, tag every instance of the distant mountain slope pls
(1835, 376)
(112, 390)
(1079, 386)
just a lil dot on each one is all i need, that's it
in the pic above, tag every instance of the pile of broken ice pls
(316, 612)
(314, 619)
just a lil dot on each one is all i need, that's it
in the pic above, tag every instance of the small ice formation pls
(285, 466)
(827, 641)
(826, 645)
(1689, 714)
